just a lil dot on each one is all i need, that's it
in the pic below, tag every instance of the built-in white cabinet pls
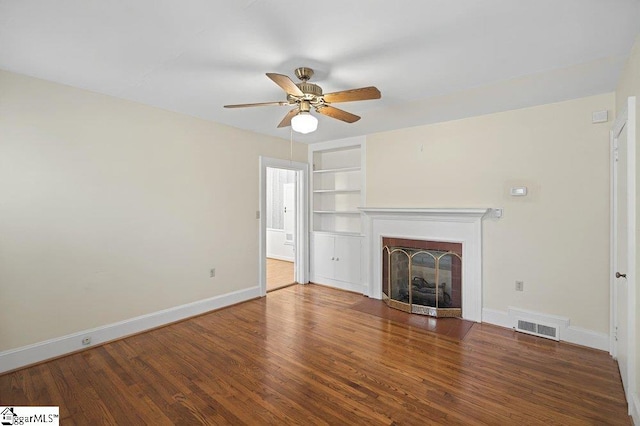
(337, 260)
(337, 187)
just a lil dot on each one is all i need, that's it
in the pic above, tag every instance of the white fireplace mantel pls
(428, 212)
(458, 225)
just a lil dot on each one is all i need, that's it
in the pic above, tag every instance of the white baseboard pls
(584, 337)
(567, 333)
(495, 317)
(41, 351)
(634, 405)
(342, 285)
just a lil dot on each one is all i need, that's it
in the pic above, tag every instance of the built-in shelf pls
(336, 191)
(338, 170)
(336, 212)
(336, 187)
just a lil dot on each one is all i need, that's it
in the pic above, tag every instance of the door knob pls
(619, 275)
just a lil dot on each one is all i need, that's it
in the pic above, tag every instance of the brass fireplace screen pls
(423, 280)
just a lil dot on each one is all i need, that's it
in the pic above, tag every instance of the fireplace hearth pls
(422, 277)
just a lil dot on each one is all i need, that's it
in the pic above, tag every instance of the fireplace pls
(457, 230)
(422, 277)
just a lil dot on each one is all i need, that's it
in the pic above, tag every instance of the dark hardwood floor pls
(303, 356)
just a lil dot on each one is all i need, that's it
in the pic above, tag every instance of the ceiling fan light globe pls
(304, 123)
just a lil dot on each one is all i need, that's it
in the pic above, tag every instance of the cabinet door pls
(347, 259)
(323, 255)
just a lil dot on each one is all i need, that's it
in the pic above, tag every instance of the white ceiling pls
(433, 60)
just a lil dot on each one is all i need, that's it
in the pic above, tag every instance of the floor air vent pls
(540, 330)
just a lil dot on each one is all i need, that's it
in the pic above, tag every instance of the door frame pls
(285, 191)
(301, 246)
(625, 120)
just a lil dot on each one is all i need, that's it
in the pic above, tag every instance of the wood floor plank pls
(302, 355)
(280, 274)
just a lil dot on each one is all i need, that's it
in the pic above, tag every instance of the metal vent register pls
(540, 330)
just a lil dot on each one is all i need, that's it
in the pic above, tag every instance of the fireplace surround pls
(454, 225)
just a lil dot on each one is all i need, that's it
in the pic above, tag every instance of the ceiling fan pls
(305, 95)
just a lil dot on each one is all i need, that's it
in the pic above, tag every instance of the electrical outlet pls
(86, 341)
(519, 285)
(212, 273)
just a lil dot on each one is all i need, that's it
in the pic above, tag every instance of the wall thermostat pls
(600, 117)
(519, 191)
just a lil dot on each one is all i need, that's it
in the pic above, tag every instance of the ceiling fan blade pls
(362, 94)
(281, 103)
(286, 121)
(286, 83)
(339, 114)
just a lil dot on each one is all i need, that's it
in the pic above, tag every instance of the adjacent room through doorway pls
(281, 227)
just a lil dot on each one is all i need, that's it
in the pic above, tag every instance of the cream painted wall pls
(111, 209)
(629, 85)
(556, 239)
(629, 82)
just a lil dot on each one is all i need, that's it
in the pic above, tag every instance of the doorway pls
(281, 223)
(283, 252)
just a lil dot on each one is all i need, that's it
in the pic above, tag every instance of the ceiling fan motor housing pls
(310, 88)
(312, 92)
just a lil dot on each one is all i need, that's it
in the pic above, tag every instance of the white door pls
(621, 284)
(324, 255)
(347, 255)
(623, 245)
(289, 213)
